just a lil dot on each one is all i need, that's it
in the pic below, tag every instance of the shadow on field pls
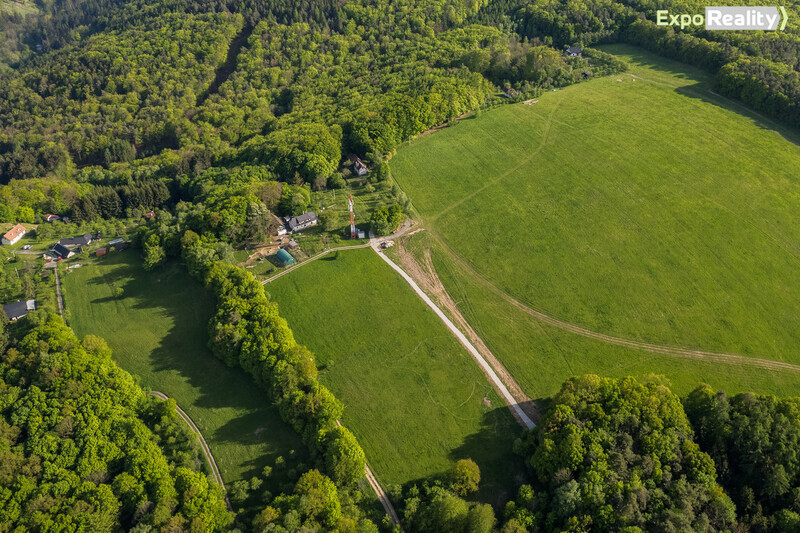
(168, 293)
(703, 92)
(502, 471)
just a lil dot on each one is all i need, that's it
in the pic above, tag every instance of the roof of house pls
(19, 309)
(59, 250)
(299, 220)
(574, 50)
(14, 232)
(84, 239)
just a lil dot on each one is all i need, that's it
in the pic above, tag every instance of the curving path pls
(674, 351)
(206, 450)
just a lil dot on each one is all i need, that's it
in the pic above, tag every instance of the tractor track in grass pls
(212, 464)
(674, 351)
(534, 153)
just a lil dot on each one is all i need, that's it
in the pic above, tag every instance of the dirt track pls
(675, 351)
(425, 275)
(212, 464)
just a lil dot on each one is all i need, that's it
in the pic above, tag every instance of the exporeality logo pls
(767, 18)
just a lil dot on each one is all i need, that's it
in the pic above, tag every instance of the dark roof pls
(76, 241)
(59, 250)
(18, 309)
(301, 220)
(574, 50)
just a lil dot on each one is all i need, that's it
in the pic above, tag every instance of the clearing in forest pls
(647, 209)
(413, 396)
(156, 325)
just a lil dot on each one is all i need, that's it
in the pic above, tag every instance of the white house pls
(13, 235)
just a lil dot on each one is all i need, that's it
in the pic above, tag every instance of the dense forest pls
(82, 448)
(220, 115)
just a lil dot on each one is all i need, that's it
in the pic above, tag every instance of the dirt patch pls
(487, 402)
(426, 277)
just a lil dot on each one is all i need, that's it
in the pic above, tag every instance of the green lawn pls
(542, 357)
(412, 394)
(642, 207)
(157, 331)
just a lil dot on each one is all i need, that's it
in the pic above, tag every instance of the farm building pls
(285, 258)
(71, 242)
(301, 221)
(60, 251)
(13, 235)
(17, 310)
(574, 51)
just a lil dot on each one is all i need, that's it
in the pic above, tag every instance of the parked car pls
(27, 247)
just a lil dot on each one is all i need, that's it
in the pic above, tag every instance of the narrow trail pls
(674, 351)
(59, 298)
(379, 492)
(227, 68)
(534, 153)
(203, 445)
(425, 275)
(323, 253)
(490, 373)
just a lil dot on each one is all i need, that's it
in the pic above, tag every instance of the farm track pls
(674, 351)
(534, 153)
(203, 445)
(496, 381)
(323, 253)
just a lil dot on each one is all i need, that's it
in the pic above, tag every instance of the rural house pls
(71, 242)
(301, 221)
(574, 51)
(13, 235)
(60, 251)
(358, 166)
(19, 309)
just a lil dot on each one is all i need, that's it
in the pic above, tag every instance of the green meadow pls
(155, 323)
(640, 205)
(414, 398)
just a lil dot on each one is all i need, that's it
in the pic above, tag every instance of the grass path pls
(212, 464)
(675, 351)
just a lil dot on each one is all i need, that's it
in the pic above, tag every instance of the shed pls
(100, 252)
(574, 51)
(285, 258)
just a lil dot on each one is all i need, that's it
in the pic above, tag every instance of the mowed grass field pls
(639, 205)
(541, 357)
(157, 330)
(414, 398)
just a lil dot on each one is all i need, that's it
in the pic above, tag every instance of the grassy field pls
(157, 331)
(640, 206)
(541, 357)
(413, 396)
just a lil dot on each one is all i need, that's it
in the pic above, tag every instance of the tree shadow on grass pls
(502, 471)
(703, 92)
(169, 294)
